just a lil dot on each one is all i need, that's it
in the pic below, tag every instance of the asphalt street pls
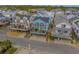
(50, 48)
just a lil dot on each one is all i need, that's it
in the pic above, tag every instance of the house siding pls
(44, 28)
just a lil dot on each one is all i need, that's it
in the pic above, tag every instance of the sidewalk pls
(65, 42)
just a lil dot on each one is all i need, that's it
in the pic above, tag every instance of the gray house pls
(4, 20)
(62, 28)
(75, 26)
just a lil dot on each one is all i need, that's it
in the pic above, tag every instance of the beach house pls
(21, 23)
(40, 25)
(75, 26)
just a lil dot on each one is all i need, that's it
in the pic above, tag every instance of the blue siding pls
(41, 22)
(45, 28)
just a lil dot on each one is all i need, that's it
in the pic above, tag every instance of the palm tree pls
(54, 19)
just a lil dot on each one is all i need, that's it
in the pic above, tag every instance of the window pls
(59, 31)
(41, 24)
(65, 31)
(44, 27)
(37, 24)
(77, 31)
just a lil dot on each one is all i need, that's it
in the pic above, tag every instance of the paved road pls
(41, 46)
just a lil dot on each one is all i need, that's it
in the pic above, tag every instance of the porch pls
(19, 27)
(39, 32)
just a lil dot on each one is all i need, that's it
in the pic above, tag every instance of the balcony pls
(42, 32)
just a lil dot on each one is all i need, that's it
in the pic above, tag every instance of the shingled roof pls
(2, 17)
(45, 19)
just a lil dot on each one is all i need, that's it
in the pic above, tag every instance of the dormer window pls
(77, 31)
(65, 31)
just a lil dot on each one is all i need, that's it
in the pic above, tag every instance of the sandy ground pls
(16, 34)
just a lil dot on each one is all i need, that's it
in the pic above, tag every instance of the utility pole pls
(54, 20)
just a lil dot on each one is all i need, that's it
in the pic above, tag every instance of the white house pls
(10, 13)
(21, 24)
(75, 26)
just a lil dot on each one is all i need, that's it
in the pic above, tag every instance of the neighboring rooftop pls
(60, 19)
(77, 23)
(2, 17)
(63, 25)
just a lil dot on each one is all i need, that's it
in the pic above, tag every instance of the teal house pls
(40, 25)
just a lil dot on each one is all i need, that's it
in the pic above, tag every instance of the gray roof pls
(28, 17)
(77, 23)
(45, 19)
(2, 17)
(60, 19)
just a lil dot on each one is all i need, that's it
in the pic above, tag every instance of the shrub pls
(1, 50)
(73, 41)
(11, 50)
(51, 37)
(6, 43)
(5, 46)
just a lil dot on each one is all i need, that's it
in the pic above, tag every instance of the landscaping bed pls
(6, 47)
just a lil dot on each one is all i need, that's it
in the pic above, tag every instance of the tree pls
(63, 8)
(74, 38)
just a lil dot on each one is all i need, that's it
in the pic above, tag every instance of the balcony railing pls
(21, 29)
